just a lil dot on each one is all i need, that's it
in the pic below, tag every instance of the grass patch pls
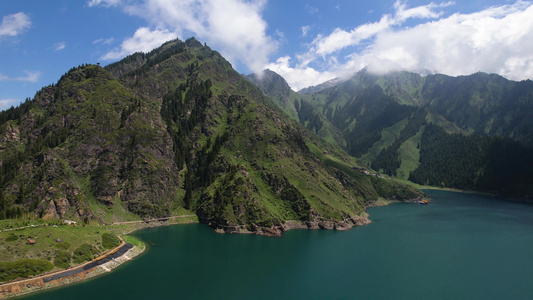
(134, 241)
(63, 245)
(388, 136)
(46, 244)
(409, 155)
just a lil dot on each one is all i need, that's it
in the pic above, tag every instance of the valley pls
(468, 132)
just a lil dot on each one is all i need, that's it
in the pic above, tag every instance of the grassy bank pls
(58, 246)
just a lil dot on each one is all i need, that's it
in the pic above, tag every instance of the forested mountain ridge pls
(479, 103)
(176, 127)
(468, 132)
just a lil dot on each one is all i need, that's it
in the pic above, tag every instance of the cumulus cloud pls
(15, 24)
(299, 77)
(497, 39)
(234, 27)
(143, 40)
(340, 38)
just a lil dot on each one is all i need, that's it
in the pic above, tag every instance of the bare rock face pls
(51, 211)
(11, 134)
(61, 205)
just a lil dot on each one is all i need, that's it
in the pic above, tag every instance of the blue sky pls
(307, 42)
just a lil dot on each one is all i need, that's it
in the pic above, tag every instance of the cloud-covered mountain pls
(468, 132)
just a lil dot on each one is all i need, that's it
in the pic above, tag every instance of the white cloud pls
(15, 24)
(105, 3)
(305, 30)
(311, 9)
(7, 103)
(340, 38)
(104, 41)
(31, 76)
(419, 12)
(143, 40)
(59, 46)
(299, 77)
(497, 39)
(234, 27)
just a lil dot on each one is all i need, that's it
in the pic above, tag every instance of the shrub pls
(110, 241)
(85, 252)
(12, 238)
(62, 260)
(23, 268)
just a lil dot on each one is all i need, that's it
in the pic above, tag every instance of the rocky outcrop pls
(276, 231)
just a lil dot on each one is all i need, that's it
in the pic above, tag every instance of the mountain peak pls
(317, 88)
(176, 128)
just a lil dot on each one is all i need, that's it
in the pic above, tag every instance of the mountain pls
(295, 106)
(468, 132)
(313, 89)
(174, 129)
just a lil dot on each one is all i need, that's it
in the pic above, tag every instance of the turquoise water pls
(459, 247)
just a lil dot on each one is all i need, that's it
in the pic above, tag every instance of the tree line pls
(475, 162)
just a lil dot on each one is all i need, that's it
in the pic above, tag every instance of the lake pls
(460, 246)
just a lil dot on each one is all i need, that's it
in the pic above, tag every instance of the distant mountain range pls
(468, 132)
(178, 128)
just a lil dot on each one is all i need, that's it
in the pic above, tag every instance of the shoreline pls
(278, 230)
(73, 275)
(472, 192)
(42, 282)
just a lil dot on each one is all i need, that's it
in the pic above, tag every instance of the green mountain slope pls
(176, 127)
(84, 145)
(297, 106)
(385, 119)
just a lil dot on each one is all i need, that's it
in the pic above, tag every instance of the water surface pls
(460, 246)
